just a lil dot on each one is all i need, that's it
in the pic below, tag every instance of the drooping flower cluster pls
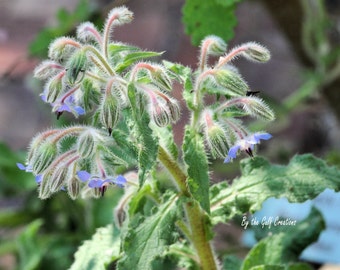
(92, 74)
(224, 133)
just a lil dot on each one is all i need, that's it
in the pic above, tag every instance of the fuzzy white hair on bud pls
(87, 32)
(47, 69)
(61, 48)
(255, 52)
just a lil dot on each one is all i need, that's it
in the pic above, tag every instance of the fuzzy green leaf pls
(203, 18)
(99, 251)
(197, 167)
(149, 237)
(132, 57)
(303, 178)
(147, 143)
(183, 75)
(284, 248)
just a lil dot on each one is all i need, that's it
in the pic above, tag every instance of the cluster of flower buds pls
(224, 133)
(59, 166)
(93, 72)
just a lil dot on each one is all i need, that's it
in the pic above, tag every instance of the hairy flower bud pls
(44, 156)
(86, 144)
(160, 113)
(217, 141)
(44, 188)
(161, 78)
(47, 69)
(62, 47)
(87, 32)
(119, 16)
(73, 187)
(214, 45)
(174, 110)
(110, 112)
(232, 81)
(76, 67)
(58, 178)
(54, 87)
(256, 52)
(258, 108)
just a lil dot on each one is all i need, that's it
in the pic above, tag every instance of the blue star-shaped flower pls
(28, 168)
(247, 145)
(102, 184)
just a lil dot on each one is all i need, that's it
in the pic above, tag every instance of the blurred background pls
(301, 82)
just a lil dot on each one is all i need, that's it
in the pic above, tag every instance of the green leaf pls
(149, 237)
(232, 262)
(303, 178)
(283, 248)
(227, 3)
(99, 251)
(30, 249)
(203, 18)
(183, 75)
(147, 143)
(130, 58)
(197, 167)
(268, 267)
(295, 266)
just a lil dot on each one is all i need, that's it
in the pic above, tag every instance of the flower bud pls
(110, 112)
(44, 156)
(90, 94)
(119, 16)
(44, 188)
(47, 69)
(256, 107)
(256, 52)
(161, 78)
(86, 144)
(62, 47)
(231, 81)
(73, 187)
(54, 87)
(160, 113)
(76, 67)
(87, 32)
(174, 110)
(58, 178)
(214, 45)
(217, 141)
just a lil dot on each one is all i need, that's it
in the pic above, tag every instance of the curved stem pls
(100, 58)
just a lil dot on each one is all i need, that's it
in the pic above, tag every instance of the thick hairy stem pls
(197, 219)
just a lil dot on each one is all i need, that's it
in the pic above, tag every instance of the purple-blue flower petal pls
(120, 181)
(262, 136)
(21, 166)
(232, 153)
(83, 175)
(79, 110)
(95, 183)
(38, 178)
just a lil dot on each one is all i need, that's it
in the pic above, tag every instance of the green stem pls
(100, 58)
(197, 219)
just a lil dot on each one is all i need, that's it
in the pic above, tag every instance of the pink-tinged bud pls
(256, 52)
(213, 45)
(44, 156)
(54, 87)
(160, 77)
(76, 67)
(87, 32)
(47, 69)
(73, 187)
(159, 112)
(62, 47)
(119, 16)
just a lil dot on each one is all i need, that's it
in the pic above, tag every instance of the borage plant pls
(162, 219)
